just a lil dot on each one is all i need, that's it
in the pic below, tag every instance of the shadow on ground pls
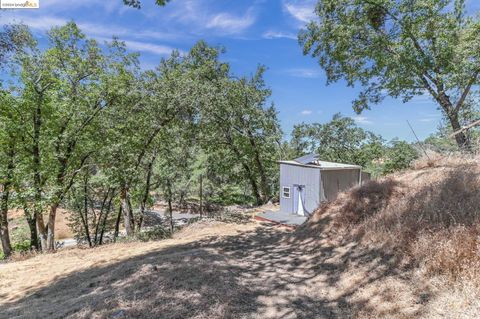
(257, 274)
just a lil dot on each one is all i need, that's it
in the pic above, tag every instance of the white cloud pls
(424, 98)
(359, 119)
(304, 73)
(426, 118)
(278, 35)
(149, 47)
(301, 10)
(231, 24)
(114, 30)
(100, 32)
(40, 23)
(306, 112)
(45, 23)
(200, 17)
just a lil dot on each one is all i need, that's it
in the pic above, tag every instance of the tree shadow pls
(256, 274)
(263, 273)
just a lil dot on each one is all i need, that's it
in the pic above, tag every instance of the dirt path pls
(220, 272)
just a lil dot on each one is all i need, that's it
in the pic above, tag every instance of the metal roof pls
(311, 160)
(307, 159)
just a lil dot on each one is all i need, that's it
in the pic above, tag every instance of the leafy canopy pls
(399, 48)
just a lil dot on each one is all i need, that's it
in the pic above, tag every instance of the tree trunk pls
(33, 229)
(100, 217)
(169, 200)
(117, 223)
(85, 212)
(51, 227)
(127, 212)
(248, 171)
(263, 176)
(461, 138)
(104, 222)
(4, 201)
(201, 196)
(253, 184)
(4, 234)
(41, 229)
(146, 194)
(37, 179)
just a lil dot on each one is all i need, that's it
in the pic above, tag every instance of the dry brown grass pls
(208, 271)
(428, 218)
(62, 230)
(402, 247)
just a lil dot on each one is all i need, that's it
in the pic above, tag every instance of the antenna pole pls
(419, 143)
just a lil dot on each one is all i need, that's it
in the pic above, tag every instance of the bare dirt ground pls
(212, 270)
(62, 230)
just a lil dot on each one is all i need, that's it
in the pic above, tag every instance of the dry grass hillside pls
(402, 247)
(425, 225)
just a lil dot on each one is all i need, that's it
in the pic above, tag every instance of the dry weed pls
(426, 216)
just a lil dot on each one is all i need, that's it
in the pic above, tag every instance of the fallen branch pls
(467, 127)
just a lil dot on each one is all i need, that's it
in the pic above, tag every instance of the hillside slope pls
(401, 247)
(425, 221)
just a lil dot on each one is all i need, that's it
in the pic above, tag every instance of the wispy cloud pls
(45, 23)
(306, 112)
(301, 10)
(149, 47)
(100, 32)
(42, 23)
(304, 73)
(278, 35)
(229, 23)
(359, 119)
(203, 18)
(427, 118)
(424, 98)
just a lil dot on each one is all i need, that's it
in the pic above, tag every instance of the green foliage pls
(83, 127)
(400, 49)
(98, 132)
(22, 246)
(339, 140)
(13, 38)
(399, 156)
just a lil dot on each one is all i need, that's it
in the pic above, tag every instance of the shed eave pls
(340, 166)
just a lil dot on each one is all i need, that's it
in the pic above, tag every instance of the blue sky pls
(253, 32)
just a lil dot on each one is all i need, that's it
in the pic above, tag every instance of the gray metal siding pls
(336, 181)
(310, 177)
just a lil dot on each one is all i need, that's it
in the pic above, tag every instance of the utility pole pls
(418, 140)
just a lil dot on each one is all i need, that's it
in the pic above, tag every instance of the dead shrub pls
(453, 252)
(428, 217)
(362, 202)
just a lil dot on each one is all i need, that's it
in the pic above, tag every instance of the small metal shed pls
(305, 182)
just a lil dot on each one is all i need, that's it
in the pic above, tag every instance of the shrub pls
(22, 246)
(399, 157)
(154, 233)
